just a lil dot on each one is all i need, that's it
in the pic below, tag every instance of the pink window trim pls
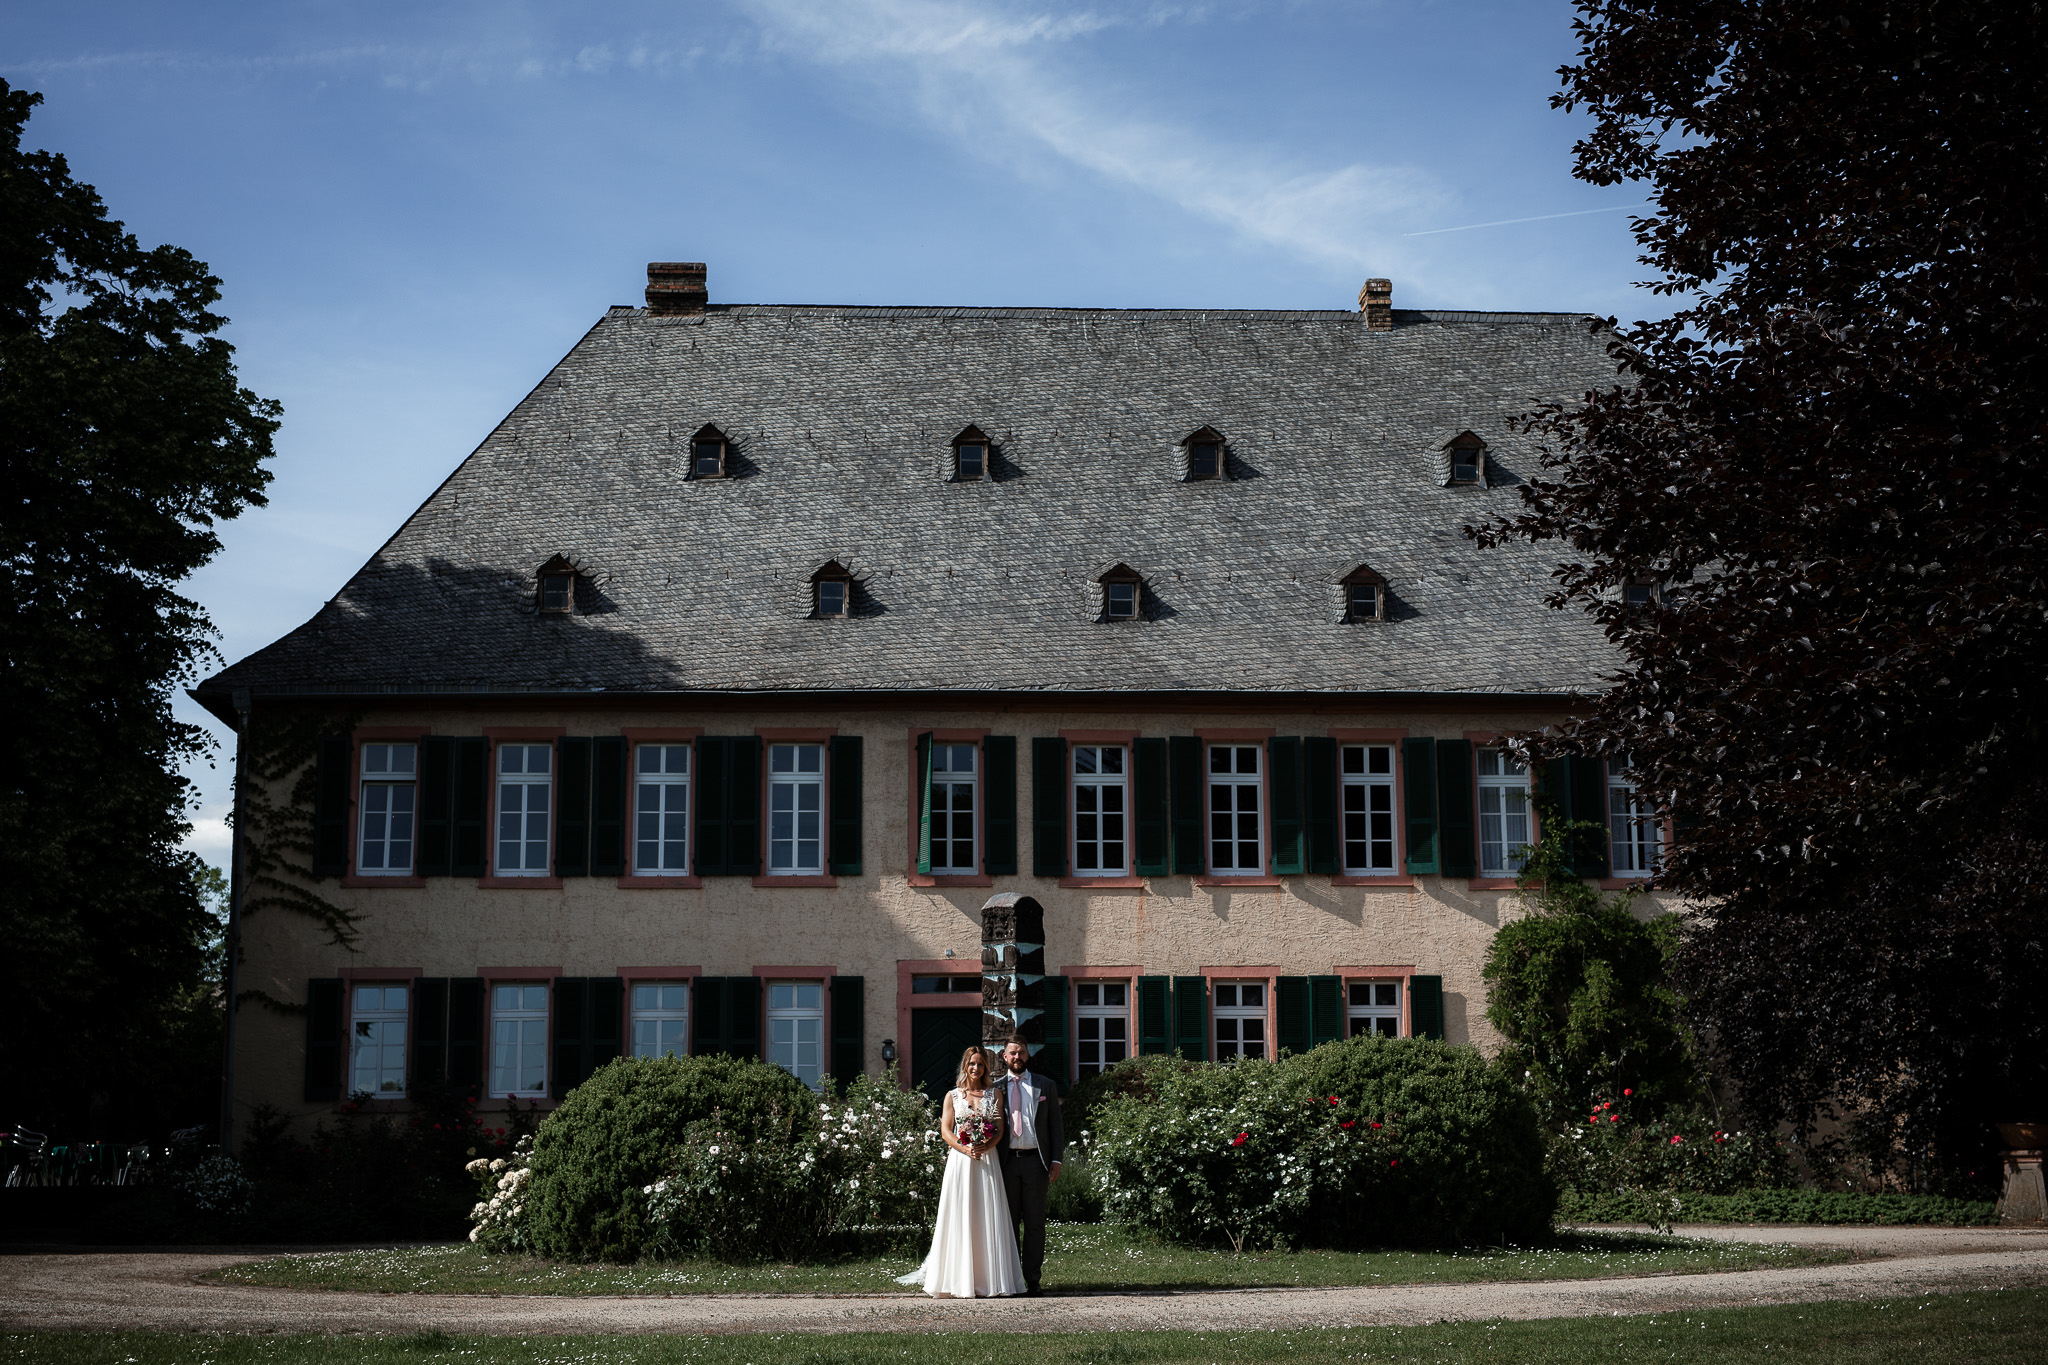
(1267, 974)
(906, 1000)
(1391, 973)
(945, 736)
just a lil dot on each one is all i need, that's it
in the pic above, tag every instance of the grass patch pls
(1078, 1256)
(1982, 1327)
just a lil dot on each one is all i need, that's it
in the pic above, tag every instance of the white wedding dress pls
(974, 1247)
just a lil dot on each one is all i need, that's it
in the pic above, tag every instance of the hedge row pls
(1774, 1206)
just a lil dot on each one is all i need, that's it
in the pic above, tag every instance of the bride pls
(974, 1249)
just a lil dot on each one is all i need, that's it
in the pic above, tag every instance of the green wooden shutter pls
(1319, 798)
(849, 1028)
(1191, 1017)
(924, 803)
(1185, 804)
(571, 1015)
(1291, 1003)
(1155, 1015)
(1418, 779)
(1457, 836)
(1587, 783)
(466, 1033)
(1052, 1058)
(323, 1038)
(1048, 807)
(707, 1016)
(1426, 1005)
(743, 1014)
(607, 1031)
(713, 756)
(470, 846)
(1151, 846)
(843, 857)
(1284, 782)
(743, 808)
(608, 807)
(572, 808)
(331, 761)
(1325, 1010)
(436, 805)
(427, 1069)
(999, 805)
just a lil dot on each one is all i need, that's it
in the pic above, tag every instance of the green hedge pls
(1774, 1206)
(618, 1133)
(1358, 1143)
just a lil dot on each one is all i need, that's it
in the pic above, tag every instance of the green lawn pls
(1988, 1327)
(1078, 1256)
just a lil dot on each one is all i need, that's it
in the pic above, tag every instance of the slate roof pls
(841, 420)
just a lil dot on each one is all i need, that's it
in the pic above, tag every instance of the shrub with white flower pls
(872, 1158)
(217, 1186)
(499, 1217)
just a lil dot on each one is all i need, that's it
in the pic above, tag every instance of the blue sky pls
(417, 208)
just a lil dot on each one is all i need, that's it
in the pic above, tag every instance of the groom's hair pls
(1018, 1038)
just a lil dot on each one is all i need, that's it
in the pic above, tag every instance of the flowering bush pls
(784, 1186)
(1610, 1150)
(216, 1187)
(500, 1214)
(1224, 1153)
(1368, 1141)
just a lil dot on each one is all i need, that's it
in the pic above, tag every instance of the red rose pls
(1375, 1125)
(1676, 1139)
(1628, 1092)
(1395, 1162)
(1348, 1123)
(1614, 1118)
(1333, 1099)
(1238, 1141)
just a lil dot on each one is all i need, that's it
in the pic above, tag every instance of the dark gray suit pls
(1027, 1175)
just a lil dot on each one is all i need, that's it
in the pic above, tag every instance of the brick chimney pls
(675, 287)
(1375, 302)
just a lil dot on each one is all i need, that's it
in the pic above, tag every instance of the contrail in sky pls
(1504, 222)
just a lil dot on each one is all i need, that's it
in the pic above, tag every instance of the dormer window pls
(707, 453)
(1642, 594)
(1121, 591)
(970, 455)
(1365, 595)
(1205, 454)
(557, 587)
(1468, 458)
(831, 591)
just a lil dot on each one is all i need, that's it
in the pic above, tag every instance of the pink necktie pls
(1016, 1109)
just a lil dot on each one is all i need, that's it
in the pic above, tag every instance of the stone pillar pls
(2024, 1200)
(1012, 970)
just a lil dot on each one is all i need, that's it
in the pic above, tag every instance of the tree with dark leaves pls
(1828, 463)
(127, 439)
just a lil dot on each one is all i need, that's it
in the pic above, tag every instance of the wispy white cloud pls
(928, 52)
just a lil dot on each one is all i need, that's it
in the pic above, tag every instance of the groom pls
(1030, 1149)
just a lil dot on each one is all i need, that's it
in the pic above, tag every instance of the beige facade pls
(877, 924)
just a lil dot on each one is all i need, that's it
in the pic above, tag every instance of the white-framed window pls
(1102, 1025)
(1373, 1007)
(390, 789)
(661, 1018)
(1503, 812)
(376, 1053)
(796, 810)
(525, 808)
(1101, 810)
(1367, 774)
(519, 1039)
(953, 809)
(1240, 1015)
(661, 810)
(1636, 836)
(1235, 829)
(796, 1029)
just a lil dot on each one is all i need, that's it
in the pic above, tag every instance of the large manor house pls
(706, 703)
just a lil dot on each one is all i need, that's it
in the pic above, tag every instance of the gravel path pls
(161, 1290)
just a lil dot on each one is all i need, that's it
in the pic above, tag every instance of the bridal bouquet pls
(975, 1131)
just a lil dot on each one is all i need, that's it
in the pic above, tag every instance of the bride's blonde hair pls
(988, 1070)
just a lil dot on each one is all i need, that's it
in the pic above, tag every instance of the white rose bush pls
(499, 1217)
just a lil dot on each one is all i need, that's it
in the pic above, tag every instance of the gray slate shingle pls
(841, 419)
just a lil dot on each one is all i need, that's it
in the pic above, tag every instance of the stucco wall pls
(866, 925)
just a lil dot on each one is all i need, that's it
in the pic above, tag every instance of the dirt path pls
(160, 1290)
